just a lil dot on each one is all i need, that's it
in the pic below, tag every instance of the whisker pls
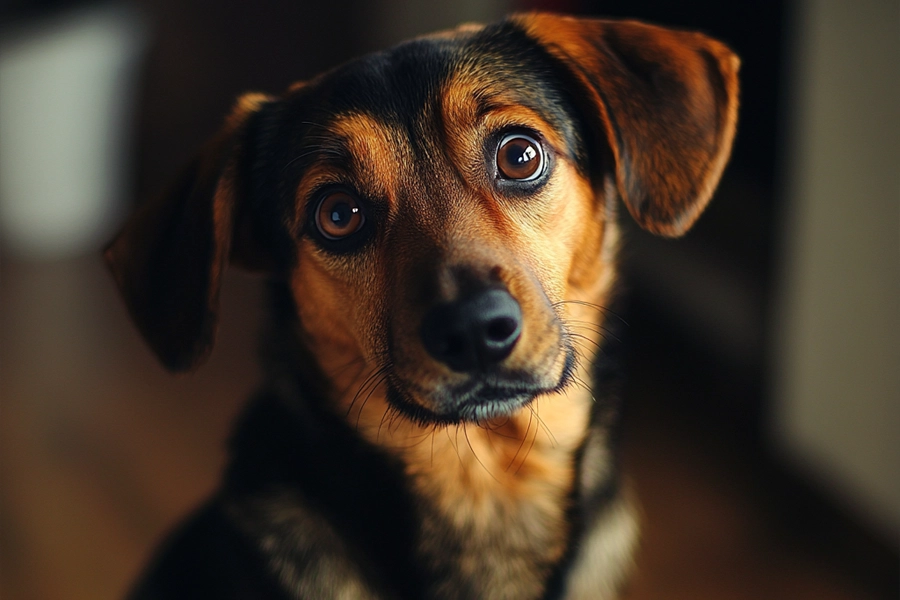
(384, 416)
(537, 413)
(366, 401)
(597, 307)
(487, 432)
(582, 337)
(530, 447)
(433, 435)
(375, 374)
(582, 384)
(495, 429)
(524, 439)
(396, 421)
(454, 445)
(600, 330)
(323, 151)
(414, 439)
(475, 454)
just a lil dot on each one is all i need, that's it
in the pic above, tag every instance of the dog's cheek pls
(578, 240)
(594, 244)
(316, 295)
(591, 276)
(563, 242)
(334, 306)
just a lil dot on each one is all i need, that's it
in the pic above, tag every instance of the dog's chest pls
(503, 550)
(494, 523)
(471, 538)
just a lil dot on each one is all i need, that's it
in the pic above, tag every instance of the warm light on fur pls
(371, 465)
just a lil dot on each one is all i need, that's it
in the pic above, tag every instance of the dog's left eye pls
(339, 215)
(520, 157)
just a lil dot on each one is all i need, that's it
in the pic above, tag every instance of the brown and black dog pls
(438, 225)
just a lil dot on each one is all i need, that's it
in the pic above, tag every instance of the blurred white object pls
(67, 89)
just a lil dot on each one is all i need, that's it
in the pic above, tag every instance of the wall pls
(837, 363)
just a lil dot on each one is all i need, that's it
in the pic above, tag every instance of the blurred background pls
(763, 402)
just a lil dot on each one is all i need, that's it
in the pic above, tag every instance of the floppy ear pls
(666, 102)
(169, 258)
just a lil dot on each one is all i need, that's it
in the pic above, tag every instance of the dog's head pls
(444, 209)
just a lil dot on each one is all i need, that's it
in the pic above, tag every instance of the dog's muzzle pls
(482, 371)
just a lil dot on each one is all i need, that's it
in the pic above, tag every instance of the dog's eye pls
(520, 157)
(338, 215)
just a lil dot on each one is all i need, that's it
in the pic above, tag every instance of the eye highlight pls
(339, 215)
(520, 157)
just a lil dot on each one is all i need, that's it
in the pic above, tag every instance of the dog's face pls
(443, 211)
(448, 211)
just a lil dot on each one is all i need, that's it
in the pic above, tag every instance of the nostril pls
(501, 329)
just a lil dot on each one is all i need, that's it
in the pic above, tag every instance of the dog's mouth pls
(478, 399)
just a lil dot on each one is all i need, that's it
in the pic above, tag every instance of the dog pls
(437, 224)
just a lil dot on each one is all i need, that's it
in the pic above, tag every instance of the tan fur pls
(612, 543)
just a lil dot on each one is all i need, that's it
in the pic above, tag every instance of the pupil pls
(341, 215)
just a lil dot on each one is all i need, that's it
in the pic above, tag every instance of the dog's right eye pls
(339, 215)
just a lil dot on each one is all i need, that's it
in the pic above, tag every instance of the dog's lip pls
(480, 404)
(479, 399)
(485, 400)
(490, 390)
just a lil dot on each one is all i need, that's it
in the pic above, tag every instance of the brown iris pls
(520, 157)
(339, 214)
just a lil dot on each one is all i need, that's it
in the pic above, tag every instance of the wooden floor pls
(101, 451)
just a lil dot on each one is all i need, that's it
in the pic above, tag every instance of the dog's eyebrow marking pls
(502, 115)
(469, 116)
(358, 149)
(469, 104)
(375, 151)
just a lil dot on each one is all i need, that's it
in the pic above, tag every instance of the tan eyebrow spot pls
(375, 151)
(376, 157)
(473, 107)
(512, 114)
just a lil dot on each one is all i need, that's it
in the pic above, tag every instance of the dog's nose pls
(475, 332)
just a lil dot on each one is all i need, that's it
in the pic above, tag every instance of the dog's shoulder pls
(288, 521)
(326, 510)
(207, 557)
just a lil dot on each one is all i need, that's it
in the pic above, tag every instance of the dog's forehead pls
(393, 125)
(400, 86)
